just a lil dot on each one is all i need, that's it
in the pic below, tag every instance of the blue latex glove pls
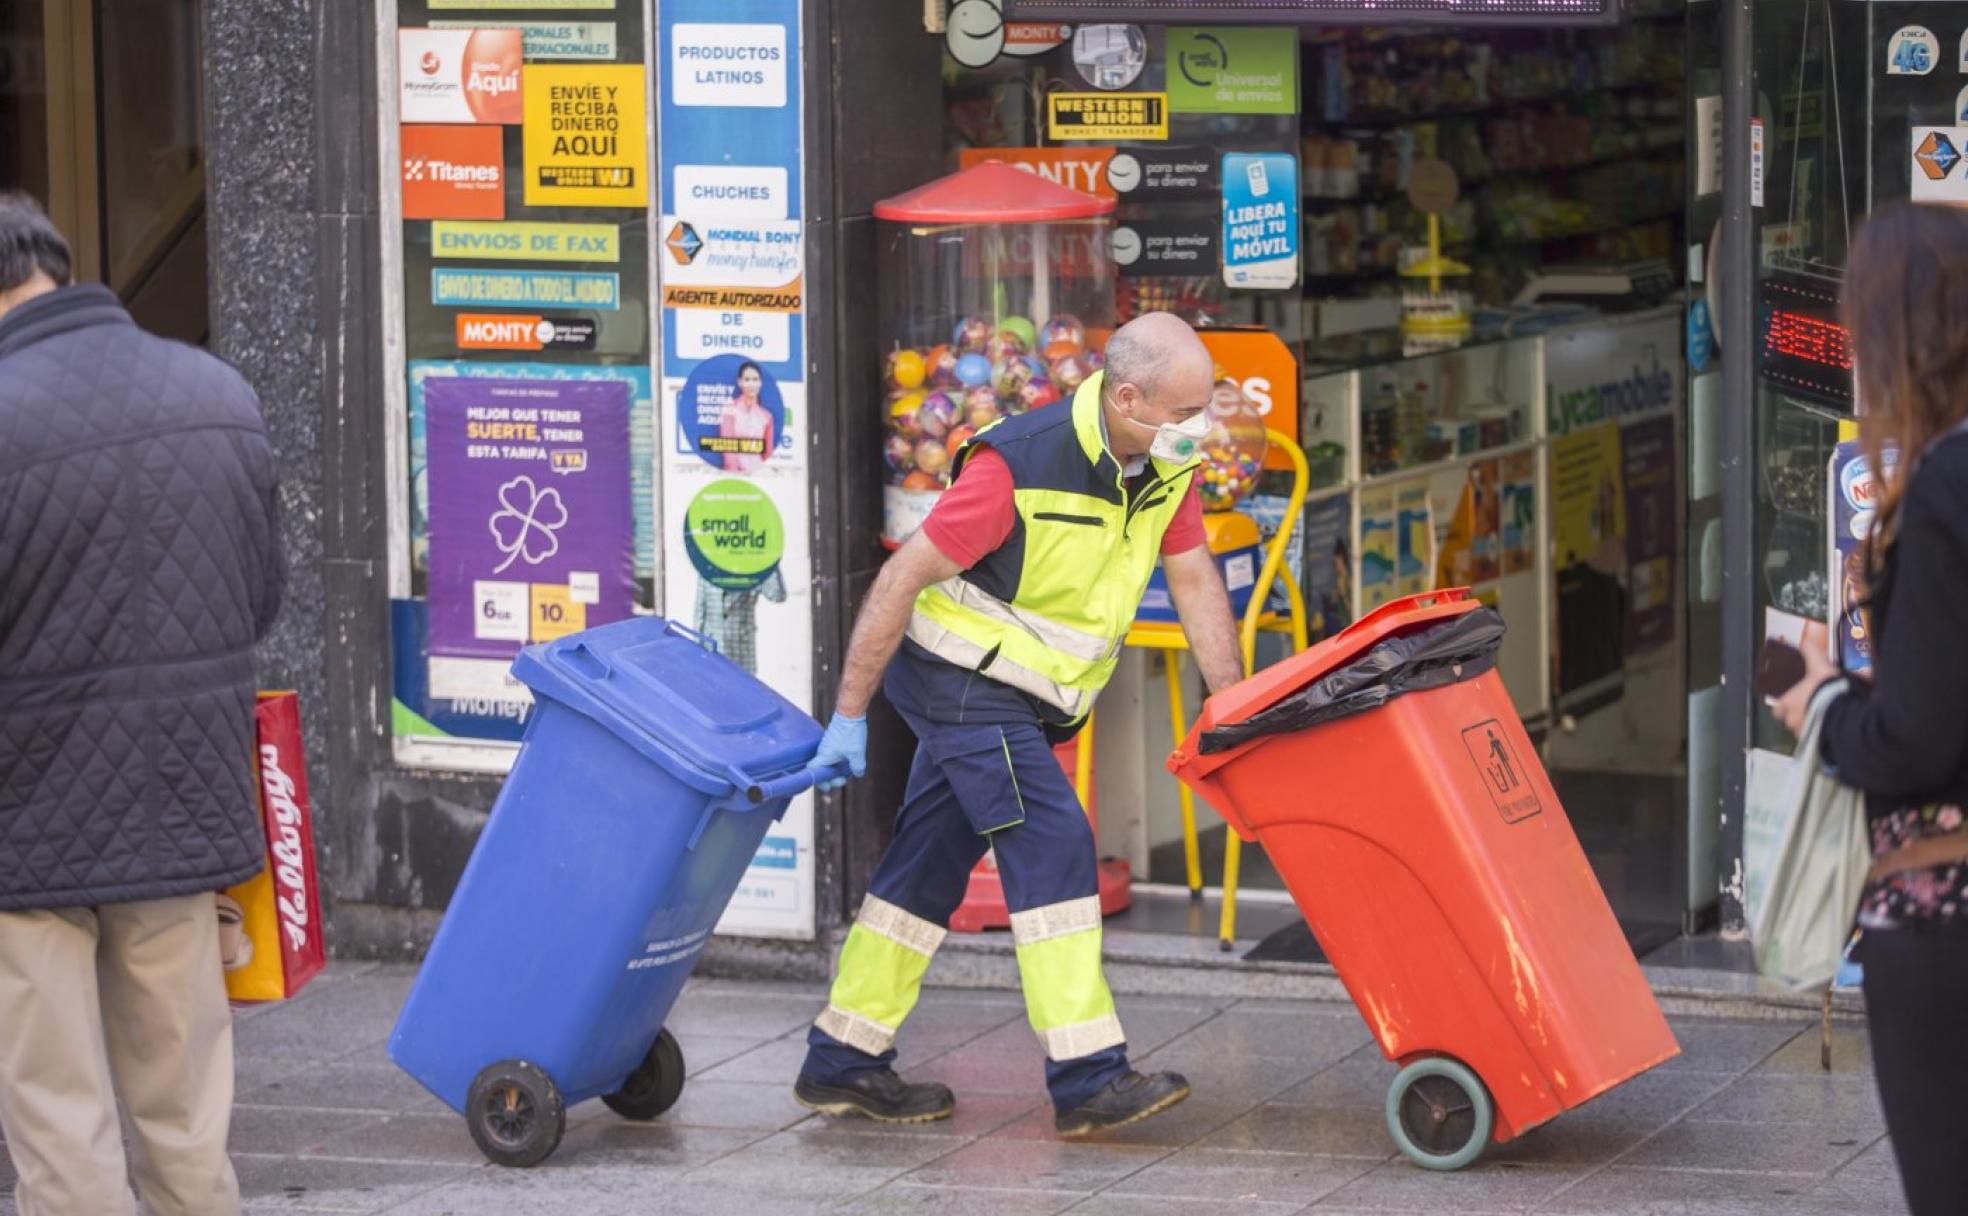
(846, 740)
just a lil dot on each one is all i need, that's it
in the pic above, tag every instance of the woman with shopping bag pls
(1901, 739)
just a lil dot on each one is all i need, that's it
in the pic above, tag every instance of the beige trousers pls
(122, 1000)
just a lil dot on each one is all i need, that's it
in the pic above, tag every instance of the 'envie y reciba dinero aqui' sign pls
(1324, 12)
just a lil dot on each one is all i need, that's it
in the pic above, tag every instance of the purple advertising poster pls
(1649, 469)
(531, 534)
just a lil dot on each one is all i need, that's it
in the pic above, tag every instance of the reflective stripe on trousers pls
(881, 971)
(1066, 994)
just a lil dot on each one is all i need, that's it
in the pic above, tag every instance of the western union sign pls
(1107, 116)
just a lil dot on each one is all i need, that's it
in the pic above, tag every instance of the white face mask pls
(1176, 442)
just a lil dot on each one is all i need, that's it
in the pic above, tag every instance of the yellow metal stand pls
(1169, 638)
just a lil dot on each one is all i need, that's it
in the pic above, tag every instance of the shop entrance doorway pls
(100, 106)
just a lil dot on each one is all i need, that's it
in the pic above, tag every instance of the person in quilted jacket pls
(140, 560)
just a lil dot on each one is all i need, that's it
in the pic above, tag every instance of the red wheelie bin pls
(1391, 783)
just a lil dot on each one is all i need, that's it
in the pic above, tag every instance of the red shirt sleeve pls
(976, 514)
(1185, 531)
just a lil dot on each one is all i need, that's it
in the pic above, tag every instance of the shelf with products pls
(1468, 466)
(1351, 244)
(1365, 79)
(1658, 141)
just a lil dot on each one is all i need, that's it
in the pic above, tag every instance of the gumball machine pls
(995, 297)
(1232, 456)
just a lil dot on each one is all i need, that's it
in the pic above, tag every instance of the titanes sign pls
(1323, 12)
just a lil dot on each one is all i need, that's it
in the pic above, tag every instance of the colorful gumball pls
(958, 436)
(1021, 328)
(979, 396)
(1037, 394)
(973, 370)
(981, 411)
(1071, 371)
(936, 415)
(1063, 327)
(900, 452)
(920, 480)
(906, 368)
(1012, 374)
(972, 334)
(1056, 351)
(932, 457)
(942, 367)
(902, 407)
(1007, 345)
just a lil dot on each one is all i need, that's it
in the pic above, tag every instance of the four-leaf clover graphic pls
(528, 522)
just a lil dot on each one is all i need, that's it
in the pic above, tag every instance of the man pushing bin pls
(997, 625)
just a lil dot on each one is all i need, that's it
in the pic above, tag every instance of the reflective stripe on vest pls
(1082, 559)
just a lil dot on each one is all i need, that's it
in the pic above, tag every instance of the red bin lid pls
(1278, 681)
(992, 192)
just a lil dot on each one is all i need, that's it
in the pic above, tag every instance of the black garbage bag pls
(1460, 648)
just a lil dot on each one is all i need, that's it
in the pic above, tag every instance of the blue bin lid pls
(665, 691)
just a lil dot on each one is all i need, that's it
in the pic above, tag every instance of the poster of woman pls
(745, 419)
(730, 415)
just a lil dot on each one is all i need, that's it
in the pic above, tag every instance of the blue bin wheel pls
(654, 1086)
(1439, 1113)
(515, 1114)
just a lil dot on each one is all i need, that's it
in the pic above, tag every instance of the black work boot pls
(881, 1096)
(1127, 1099)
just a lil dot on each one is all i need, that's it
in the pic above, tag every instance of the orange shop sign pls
(454, 173)
(1262, 365)
(517, 331)
(1077, 168)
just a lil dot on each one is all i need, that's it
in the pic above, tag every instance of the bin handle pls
(691, 635)
(783, 786)
(1408, 603)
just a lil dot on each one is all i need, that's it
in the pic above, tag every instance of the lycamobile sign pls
(1645, 387)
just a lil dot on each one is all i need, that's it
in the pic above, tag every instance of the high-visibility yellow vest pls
(1048, 611)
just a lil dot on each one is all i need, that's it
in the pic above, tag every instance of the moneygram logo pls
(431, 64)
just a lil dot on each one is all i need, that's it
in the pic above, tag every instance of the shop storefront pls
(607, 283)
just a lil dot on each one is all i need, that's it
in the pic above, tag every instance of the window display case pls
(996, 296)
(1531, 467)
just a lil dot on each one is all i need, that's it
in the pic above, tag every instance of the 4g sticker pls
(1913, 51)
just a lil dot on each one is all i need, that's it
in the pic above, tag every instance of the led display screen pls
(1323, 12)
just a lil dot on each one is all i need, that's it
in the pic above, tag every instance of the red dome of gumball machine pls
(996, 294)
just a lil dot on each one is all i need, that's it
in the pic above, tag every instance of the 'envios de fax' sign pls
(1325, 12)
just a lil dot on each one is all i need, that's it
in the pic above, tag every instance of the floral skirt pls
(1937, 895)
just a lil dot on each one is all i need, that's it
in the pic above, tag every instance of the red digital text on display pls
(1797, 335)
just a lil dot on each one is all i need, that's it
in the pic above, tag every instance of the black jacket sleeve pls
(1907, 736)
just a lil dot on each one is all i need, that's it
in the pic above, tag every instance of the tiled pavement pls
(1286, 1118)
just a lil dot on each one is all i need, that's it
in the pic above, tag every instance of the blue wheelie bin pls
(649, 773)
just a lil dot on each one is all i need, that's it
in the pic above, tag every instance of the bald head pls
(1158, 371)
(1158, 353)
